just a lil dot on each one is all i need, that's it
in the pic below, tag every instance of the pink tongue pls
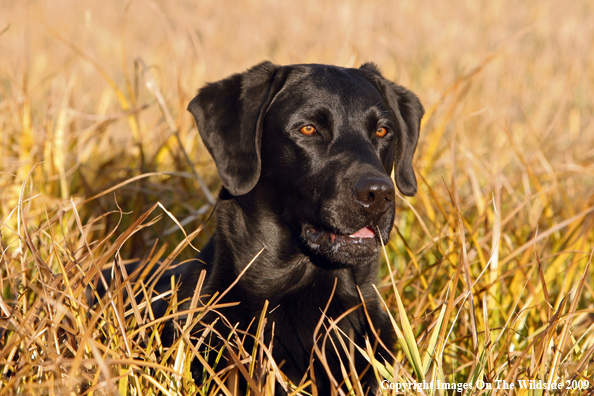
(364, 232)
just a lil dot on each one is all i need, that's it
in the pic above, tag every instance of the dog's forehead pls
(330, 85)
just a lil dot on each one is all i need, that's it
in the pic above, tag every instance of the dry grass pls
(491, 260)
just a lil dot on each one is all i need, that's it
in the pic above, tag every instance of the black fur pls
(300, 197)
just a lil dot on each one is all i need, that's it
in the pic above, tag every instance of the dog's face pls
(319, 142)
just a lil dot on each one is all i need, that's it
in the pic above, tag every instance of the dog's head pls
(319, 142)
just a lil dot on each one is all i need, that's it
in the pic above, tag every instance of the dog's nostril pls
(375, 194)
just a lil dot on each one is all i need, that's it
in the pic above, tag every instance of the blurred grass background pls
(93, 96)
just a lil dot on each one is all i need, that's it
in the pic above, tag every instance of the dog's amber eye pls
(381, 132)
(308, 130)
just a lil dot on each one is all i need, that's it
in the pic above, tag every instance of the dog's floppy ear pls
(230, 115)
(408, 112)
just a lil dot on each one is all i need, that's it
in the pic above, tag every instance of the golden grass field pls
(491, 260)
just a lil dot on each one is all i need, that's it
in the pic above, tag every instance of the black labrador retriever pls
(305, 154)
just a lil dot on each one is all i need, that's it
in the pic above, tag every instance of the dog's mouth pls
(365, 235)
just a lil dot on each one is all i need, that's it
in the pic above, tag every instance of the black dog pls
(305, 154)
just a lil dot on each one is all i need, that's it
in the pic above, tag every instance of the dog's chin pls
(360, 247)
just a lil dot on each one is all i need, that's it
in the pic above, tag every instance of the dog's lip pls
(318, 237)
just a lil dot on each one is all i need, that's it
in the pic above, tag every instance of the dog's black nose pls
(375, 194)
